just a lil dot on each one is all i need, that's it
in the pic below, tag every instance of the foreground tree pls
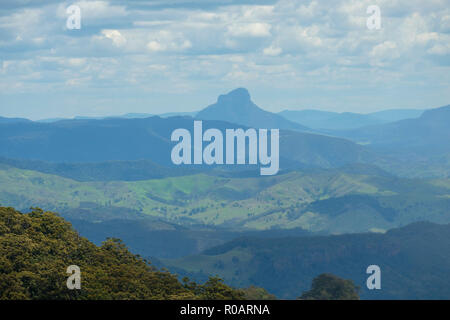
(256, 293)
(36, 249)
(330, 287)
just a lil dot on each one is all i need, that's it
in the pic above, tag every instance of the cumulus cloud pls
(116, 37)
(257, 29)
(168, 41)
(155, 46)
(384, 49)
(440, 49)
(93, 10)
(193, 46)
(272, 51)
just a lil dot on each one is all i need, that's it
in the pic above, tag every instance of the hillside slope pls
(148, 139)
(317, 119)
(423, 137)
(352, 199)
(414, 262)
(36, 249)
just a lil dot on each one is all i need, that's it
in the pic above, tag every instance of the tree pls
(213, 289)
(256, 293)
(330, 287)
(36, 249)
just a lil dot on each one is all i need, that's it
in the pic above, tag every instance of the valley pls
(322, 200)
(349, 194)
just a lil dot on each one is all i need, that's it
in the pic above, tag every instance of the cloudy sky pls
(179, 55)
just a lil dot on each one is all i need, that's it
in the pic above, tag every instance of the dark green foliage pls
(335, 206)
(213, 289)
(330, 287)
(155, 238)
(256, 293)
(414, 262)
(36, 249)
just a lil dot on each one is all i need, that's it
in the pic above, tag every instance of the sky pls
(179, 55)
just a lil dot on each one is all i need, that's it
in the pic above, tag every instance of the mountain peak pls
(238, 95)
(237, 107)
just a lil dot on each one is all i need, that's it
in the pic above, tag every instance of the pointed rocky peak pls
(237, 107)
(240, 95)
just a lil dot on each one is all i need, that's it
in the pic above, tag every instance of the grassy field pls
(331, 200)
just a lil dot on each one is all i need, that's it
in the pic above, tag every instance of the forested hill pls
(36, 249)
(414, 262)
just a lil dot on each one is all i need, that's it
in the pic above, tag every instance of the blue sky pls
(169, 56)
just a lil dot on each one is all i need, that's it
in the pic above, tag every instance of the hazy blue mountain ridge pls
(414, 262)
(237, 107)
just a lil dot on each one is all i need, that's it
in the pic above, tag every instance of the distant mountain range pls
(125, 116)
(340, 173)
(428, 135)
(317, 119)
(13, 120)
(237, 107)
(392, 115)
(149, 139)
(414, 262)
(413, 147)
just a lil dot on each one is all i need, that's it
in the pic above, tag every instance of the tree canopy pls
(330, 287)
(36, 248)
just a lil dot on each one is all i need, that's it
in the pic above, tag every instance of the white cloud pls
(117, 38)
(165, 40)
(308, 10)
(22, 20)
(272, 51)
(440, 49)
(76, 62)
(309, 36)
(445, 23)
(92, 10)
(78, 81)
(386, 49)
(257, 29)
(227, 45)
(38, 40)
(155, 46)
(257, 12)
(424, 38)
